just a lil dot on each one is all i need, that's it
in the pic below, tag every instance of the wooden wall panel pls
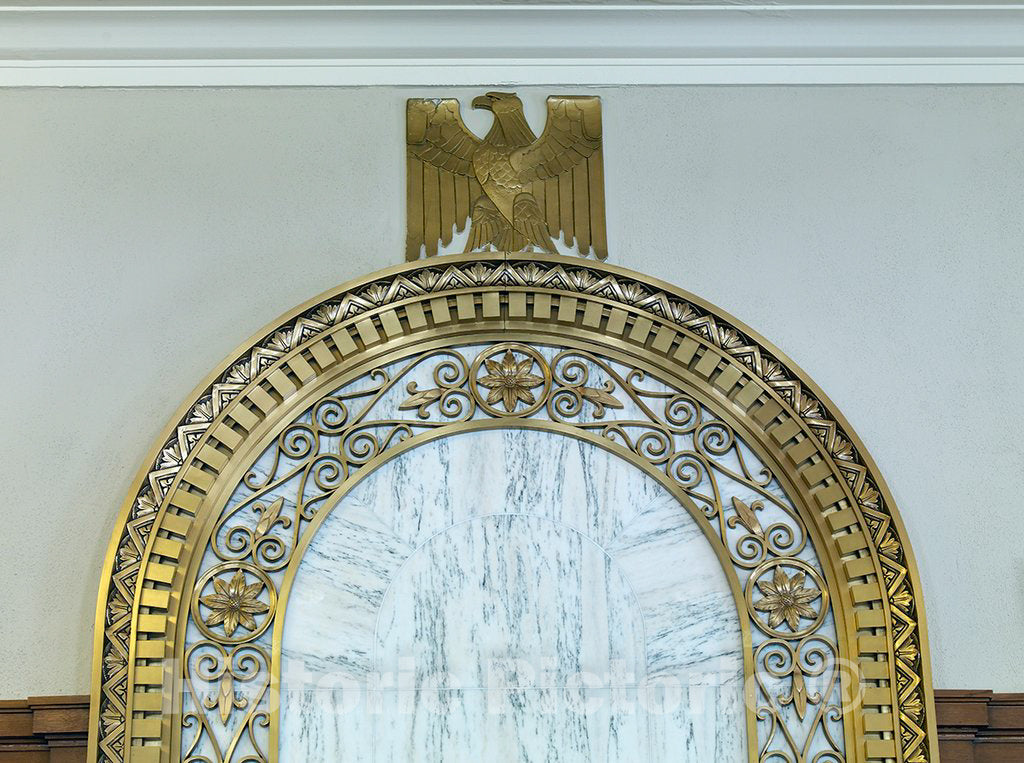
(44, 730)
(980, 727)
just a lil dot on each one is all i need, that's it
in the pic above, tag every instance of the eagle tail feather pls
(528, 220)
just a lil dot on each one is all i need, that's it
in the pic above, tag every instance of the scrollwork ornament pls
(669, 430)
(226, 685)
(803, 675)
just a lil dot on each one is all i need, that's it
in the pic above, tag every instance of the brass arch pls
(534, 298)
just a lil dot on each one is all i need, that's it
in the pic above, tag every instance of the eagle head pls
(498, 103)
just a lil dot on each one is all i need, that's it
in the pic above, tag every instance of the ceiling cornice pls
(149, 44)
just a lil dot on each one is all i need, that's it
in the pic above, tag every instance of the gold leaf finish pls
(746, 515)
(234, 604)
(425, 312)
(510, 381)
(517, 192)
(786, 599)
(268, 517)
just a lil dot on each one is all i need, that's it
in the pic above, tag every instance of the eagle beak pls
(483, 102)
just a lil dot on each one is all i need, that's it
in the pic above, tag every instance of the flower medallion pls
(796, 599)
(238, 608)
(514, 376)
(786, 599)
(510, 381)
(234, 603)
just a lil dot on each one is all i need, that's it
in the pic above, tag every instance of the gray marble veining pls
(511, 595)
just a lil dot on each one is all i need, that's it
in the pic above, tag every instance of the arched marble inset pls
(547, 602)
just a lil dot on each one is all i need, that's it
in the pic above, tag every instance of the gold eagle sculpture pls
(517, 191)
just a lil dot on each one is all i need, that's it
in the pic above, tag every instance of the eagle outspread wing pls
(565, 172)
(441, 184)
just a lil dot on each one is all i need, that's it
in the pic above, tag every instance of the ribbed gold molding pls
(524, 298)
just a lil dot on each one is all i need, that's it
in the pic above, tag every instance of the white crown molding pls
(152, 44)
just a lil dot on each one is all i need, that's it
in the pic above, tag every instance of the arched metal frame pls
(455, 300)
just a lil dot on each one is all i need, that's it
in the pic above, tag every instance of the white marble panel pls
(510, 598)
(511, 595)
(621, 725)
(688, 609)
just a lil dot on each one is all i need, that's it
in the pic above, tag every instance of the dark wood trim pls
(974, 727)
(44, 730)
(980, 726)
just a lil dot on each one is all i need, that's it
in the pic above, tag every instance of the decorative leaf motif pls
(170, 456)
(127, 555)
(202, 411)
(890, 547)
(422, 399)
(913, 706)
(868, 495)
(376, 293)
(281, 341)
(810, 408)
(427, 279)
(326, 313)
(842, 449)
(908, 652)
(145, 504)
(772, 370)
(226, 697)
(601, 398)
(110, 718)
(531, 273)
(786, 600)
(582, 279)
(683, 312)
(730, 338)
(117, 608)
(239, 374)
(478, 272)
(902, 599)
(747, 517)
(113, 661)
(225, 701)
(269, 516)
(798, 696)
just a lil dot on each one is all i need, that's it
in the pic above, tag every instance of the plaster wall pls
(873, 233)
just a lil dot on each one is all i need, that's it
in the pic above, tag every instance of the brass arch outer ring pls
(533, 298)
